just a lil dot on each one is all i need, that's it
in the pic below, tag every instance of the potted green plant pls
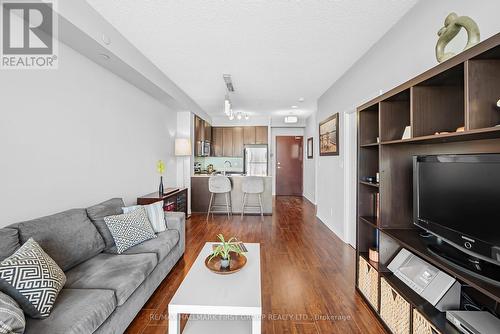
(224, 249)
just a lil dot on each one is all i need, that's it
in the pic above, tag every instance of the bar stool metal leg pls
(227, 205)
(243, 204)
(210, 205)
(260, 203)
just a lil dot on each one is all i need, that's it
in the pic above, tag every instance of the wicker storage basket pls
(421, 325)
(368, 282)
(394, 309)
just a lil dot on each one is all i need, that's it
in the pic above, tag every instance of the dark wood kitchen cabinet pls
(207, 131)
(217, 142)
(202, 130)
(261, 135)
(237, 141)
(249, 135)
(227, 142)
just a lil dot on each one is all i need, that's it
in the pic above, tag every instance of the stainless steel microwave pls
(203, 148)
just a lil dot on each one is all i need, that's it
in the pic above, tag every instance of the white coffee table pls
(208, 297)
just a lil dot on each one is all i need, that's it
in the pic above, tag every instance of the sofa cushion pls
(97, 213)
(156, 214)
(77, 311)
(161, 245)
(130, 229)
(120, 273)
(69, 237)
(12, 319)
(9, 242)
(32, 279)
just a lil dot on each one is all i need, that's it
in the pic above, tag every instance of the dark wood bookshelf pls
(369, 220)
(370, 145)
(371, 184)
(460, 92)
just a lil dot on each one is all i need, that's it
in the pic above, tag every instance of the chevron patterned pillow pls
(12, 319)
(130, 229)
(32, 279)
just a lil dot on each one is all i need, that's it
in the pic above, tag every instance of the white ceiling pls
(276, 50)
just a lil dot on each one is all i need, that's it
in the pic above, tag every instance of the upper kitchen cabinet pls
(202, 130)
(261, 135)
(249, 135)
(199, 129)
(237, 141)
(217, 142)
(227, 142)
(208, 131)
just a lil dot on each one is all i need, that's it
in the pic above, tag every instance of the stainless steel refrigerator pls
(255, 160)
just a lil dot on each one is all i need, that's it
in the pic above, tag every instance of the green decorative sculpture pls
(452, 25)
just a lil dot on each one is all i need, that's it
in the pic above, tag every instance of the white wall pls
(311, 130)
(404, 52)
(279, 132)
(78, 135)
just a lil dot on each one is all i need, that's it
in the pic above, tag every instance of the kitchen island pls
(200, 195)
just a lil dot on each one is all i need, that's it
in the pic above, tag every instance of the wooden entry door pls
(289, 159)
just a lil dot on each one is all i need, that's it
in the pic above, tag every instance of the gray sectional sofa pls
(104, 291)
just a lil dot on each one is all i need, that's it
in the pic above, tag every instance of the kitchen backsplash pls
(218, 163)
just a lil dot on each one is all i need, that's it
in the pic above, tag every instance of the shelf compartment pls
(367, 197)
(475, 134)
(369, 220)
(370, 184)
(394, 116)
(395, 310)
(411, 240)
(437, 104)
(368, 161)
(368, 281)
(436, 318)
(483, 82)
(370, 145)
(368, 125)
(367, 238)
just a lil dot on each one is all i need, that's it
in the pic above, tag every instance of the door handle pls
(279, 167)
(279, 163)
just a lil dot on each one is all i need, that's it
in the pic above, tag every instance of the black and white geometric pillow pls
(130, 229)
(32, 279)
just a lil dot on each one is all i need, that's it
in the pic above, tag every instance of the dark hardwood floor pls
(307, 273)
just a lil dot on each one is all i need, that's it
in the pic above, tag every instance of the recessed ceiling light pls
(301, 99)
(104, 56)
(291, 119)
(105, 39)
(294, 107)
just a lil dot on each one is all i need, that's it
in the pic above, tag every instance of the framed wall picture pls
(329, 136)
(310, 148)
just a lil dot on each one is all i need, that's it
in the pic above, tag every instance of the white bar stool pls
(252, 185)
(219, 184)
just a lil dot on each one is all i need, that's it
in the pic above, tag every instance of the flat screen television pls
(457, 198)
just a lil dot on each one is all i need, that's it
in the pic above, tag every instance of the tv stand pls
(481, 269)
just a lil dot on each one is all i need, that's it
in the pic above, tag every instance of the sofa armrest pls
(177, 221)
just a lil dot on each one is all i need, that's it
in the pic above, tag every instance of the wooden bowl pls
(237, 262)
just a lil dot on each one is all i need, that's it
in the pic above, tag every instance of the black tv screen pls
(458, 197)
